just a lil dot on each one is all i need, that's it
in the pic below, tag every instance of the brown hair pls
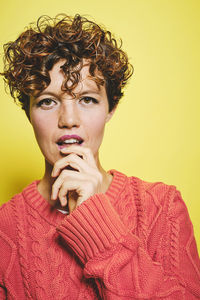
(29, 59)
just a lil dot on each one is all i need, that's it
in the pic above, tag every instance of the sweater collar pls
(52, 215)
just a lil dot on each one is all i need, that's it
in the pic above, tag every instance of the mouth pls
(68, 140)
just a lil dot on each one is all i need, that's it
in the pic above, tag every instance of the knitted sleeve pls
(2, 288)
(2, 292)
(8, 254)
(3, 264)
(119, 261)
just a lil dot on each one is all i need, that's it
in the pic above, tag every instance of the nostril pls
(69, 114)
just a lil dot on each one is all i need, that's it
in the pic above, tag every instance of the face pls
(60, 120)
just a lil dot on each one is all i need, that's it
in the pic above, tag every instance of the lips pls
(67, 140)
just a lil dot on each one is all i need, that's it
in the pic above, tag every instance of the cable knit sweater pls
(133, 242)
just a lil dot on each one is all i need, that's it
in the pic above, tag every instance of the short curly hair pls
(29, 59)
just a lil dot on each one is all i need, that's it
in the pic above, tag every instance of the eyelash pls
(49, 101)
(95, 101)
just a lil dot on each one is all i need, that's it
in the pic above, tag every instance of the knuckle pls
(63, 174)
(71, 156)
(57, 164)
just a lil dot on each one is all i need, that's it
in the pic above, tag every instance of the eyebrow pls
(94, 89)
(89, 91)
(46, 93)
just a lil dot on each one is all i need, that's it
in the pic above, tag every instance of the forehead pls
(86, 81)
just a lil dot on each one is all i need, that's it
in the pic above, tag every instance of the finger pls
(72, 160)
(56, 186)
(64, 190)
(64, 178)
(63, 200)
(86, 153)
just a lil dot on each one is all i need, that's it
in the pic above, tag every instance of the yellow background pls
(154, 134)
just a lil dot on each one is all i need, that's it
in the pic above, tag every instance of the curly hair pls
(29, 59)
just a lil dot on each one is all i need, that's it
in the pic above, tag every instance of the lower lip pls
(68, 145)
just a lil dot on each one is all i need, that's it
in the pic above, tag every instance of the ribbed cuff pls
(92, 228)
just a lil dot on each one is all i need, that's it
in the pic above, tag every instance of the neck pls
(45, 185)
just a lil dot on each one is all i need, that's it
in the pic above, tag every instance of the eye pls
(46, 103)
(89, 100)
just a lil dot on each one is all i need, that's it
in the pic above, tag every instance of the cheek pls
(96, 126)
(41, 128)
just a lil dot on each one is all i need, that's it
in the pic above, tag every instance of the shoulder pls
(159, 193)
(148, 195)
(158, 189)
(8, 216)
(163, 203)
(8, 234)
(158, 202)
(12, 212)
(12, 216)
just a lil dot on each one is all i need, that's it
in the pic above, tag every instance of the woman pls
(81, 232)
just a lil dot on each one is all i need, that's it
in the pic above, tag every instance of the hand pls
(78, 177)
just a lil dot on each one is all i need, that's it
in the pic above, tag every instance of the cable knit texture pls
(135, 241)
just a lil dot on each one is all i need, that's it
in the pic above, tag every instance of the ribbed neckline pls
(52, 215)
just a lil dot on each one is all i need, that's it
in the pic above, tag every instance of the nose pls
(68, 115)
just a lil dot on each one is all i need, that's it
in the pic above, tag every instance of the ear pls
(110, 114)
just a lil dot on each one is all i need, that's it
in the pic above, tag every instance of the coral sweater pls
(133, 242)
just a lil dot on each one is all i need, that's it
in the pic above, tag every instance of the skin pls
(55, 113)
